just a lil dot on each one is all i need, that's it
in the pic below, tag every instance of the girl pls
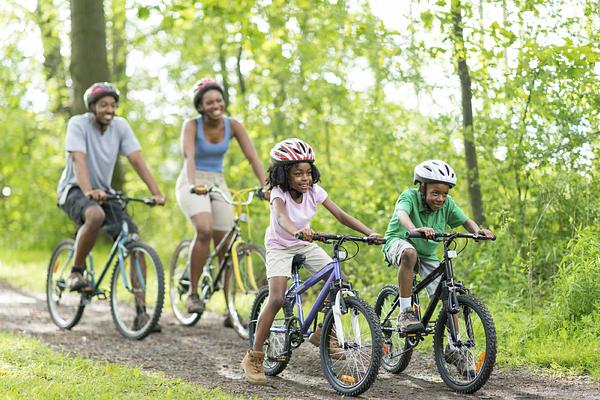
(204, 142)
(295, 194)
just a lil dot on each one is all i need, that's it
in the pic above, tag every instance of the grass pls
(29, 369)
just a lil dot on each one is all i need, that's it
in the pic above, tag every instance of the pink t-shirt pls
(300, 213)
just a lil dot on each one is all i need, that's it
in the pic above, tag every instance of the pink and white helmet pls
(292, 150)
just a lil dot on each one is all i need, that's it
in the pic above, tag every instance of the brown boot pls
(252, 365)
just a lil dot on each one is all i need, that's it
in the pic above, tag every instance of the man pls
(94, 141)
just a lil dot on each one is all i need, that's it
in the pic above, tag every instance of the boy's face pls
(436, 195)
(301, 176)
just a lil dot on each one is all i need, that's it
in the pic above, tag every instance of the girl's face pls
(212, 104)
(301, 176)
(436, 195)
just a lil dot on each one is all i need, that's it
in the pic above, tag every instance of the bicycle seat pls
(297, 263)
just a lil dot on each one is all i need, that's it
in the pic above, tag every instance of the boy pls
(428, 210)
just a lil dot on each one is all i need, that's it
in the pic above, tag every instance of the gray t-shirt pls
(101, 151)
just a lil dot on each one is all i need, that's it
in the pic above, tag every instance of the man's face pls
(436, 195)
(105, 109)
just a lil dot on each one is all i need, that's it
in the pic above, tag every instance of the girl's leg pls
(277, 288)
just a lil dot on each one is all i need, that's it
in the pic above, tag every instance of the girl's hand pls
(428, 232)
(305, 234)
(377, 238)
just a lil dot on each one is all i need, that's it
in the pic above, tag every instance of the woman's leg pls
(199, 250)
(277, 288)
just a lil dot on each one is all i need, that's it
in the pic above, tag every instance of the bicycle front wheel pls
(239, 294)
(179, 283)
(65, 307)
(397, 351)
(137, 291)
(350, 359)
(466, 364)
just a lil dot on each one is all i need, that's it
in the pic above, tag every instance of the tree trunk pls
(467, 111)
(119, 65)
(88, 48)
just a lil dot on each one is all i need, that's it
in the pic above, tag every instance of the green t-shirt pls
(421, 216)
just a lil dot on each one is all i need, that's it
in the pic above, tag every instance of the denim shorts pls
(77, 202)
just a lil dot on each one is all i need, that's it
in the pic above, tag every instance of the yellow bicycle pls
(241, 272)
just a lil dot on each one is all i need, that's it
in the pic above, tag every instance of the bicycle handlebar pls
(121, 197)
(328, 238)
(204, 190)
(474, 236)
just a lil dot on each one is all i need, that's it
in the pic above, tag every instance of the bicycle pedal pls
(87, 289)
(101, 296)
(280, 359)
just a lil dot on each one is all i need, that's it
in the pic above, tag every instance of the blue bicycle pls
(136, 289)
(350, 339)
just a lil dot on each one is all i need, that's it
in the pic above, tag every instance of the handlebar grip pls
(299, 235)
(199, 189)
(415, 235)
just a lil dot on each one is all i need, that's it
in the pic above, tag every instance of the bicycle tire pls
(178, 290)
(397, 350)
(479, 348)
(340, 366)
(238, 299)
(275, 343)
(65, 307)
(125, 304)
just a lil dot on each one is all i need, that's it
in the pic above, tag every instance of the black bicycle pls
(136, 288)
(464, 342)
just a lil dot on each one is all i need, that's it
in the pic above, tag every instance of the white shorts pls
(279, 261)
(425, 267)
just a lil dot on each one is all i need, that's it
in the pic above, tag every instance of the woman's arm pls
(188, 139)
(348, 219)
(239, 132)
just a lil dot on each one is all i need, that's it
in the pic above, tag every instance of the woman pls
(204, 142)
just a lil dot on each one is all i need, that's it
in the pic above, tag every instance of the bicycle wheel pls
(397, 350)
(179, 283)
(137, 291)
(239, 295)
(466, 365)
(351, 365)
(65, 307)
(275, 344)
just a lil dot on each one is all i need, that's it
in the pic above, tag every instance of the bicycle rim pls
(137, 291)
(239, 295)
(466, 365)
(65, 307)
(179, 283)
(351, 369)
(397, 350)
(275, 344)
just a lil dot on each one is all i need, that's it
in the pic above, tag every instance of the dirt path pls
(209, 354)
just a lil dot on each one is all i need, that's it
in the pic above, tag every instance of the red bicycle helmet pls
(202, 87)
(98, 90)
(292, 150)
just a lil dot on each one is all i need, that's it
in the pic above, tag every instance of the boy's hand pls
(429, 233)
(486, 232)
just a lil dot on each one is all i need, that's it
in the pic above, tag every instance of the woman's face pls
(301, 176)
(212, 104)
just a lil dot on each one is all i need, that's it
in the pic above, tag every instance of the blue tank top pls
(209, 156)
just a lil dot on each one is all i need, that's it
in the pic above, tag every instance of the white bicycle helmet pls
(292, 150)
(434, 171)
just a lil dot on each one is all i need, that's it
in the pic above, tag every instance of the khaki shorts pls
(192, 204)
(279, 261)
(425, 267)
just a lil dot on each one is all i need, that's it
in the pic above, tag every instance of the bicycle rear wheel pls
(239, 294)
(179, 283)
(466, 365)
(137, 291)
(397, 351)
(65, 307)
(351, 365)
(275, 346)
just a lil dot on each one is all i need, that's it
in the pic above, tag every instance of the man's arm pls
(138, 163)
(83, 177)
